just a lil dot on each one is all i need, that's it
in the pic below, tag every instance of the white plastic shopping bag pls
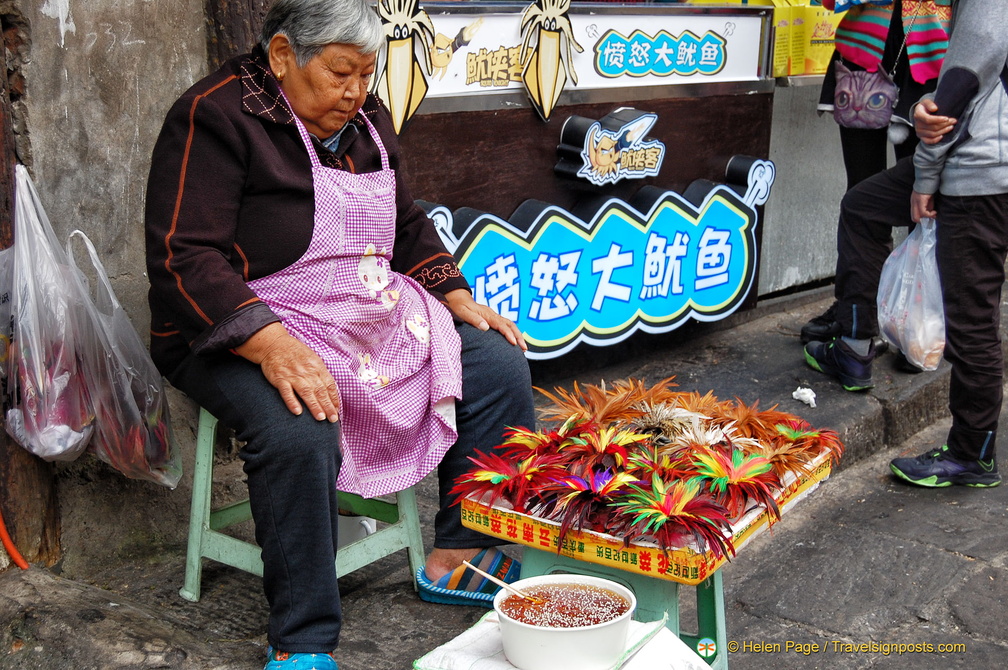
(48, 408)
(133, 431)
(910, 311)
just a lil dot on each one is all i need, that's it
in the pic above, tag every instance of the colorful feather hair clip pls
(607, 448)
(736, 479)
(675, 514)
(784, 455)
(747, 420)
(659, 461)
(664, 421)
(497, 477)
(618, 403)
(706, 405)
(521, 442)
(698, 434)
(582, 501)
(804, 436)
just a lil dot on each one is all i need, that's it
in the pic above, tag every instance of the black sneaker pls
(938, 468)
(822, 328)
(837, 359)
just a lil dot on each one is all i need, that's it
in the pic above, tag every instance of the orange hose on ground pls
(8, 544)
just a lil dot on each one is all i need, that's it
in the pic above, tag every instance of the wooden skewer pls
(503, 584)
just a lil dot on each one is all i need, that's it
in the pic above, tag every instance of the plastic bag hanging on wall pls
(133, 430)
(49, 411)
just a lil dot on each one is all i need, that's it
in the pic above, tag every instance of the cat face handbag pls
(863, 99)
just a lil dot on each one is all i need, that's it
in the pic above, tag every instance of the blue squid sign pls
(647, 264)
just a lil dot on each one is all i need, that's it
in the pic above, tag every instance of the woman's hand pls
(462, 305)
(295, 370)
(931, 128)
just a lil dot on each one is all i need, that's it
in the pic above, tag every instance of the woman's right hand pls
(295, 370)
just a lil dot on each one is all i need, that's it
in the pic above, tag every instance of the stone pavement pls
(864, 560)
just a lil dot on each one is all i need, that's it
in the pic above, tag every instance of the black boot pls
(825, 327)
(822, 328)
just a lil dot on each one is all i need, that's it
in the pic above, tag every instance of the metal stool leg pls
(207, 541)
(406, 501)
(199, 512)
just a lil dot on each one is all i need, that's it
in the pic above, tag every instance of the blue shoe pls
(282, 660)
(463, 586)
(938, 468)
(838, 360)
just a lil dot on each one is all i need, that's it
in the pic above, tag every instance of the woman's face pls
(329, 89)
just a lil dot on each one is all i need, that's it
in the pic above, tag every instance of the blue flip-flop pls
(463, 586)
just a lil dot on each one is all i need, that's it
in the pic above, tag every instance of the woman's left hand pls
(462, 305)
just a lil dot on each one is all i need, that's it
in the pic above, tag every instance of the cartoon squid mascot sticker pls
(445, 47)
(405, 62)
(547, 64)
(603, 151)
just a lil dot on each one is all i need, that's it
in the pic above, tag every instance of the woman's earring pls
(280, 76)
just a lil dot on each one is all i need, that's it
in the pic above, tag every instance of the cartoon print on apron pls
(389, 344)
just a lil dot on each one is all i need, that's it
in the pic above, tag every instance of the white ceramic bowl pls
(595, 647)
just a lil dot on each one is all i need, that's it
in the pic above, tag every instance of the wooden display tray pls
(684, 565)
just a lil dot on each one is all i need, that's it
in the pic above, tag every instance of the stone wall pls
(98, 77)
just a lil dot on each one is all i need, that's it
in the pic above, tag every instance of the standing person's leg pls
(865, 154)
(292, 463)
(971, 250)
(868, 213)
(906, 148)
(496, 394)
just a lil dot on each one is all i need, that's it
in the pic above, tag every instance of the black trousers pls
(292, 463)
(972, 244)
(866, 152)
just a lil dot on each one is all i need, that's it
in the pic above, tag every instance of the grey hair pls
(311, 25)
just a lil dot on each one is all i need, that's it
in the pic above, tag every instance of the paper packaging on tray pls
(684, 565)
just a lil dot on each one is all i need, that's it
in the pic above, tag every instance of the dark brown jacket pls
(230, 199)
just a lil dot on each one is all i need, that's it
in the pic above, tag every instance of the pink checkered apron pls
(391, 347)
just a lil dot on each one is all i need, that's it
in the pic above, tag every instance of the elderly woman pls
(291, 270)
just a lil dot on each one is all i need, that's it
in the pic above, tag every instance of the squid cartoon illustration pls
(405, 63)
(445, 47)
(547, 64)
(603, 150)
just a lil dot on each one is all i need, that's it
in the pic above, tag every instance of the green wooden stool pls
(207, 541)
(655, 597)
